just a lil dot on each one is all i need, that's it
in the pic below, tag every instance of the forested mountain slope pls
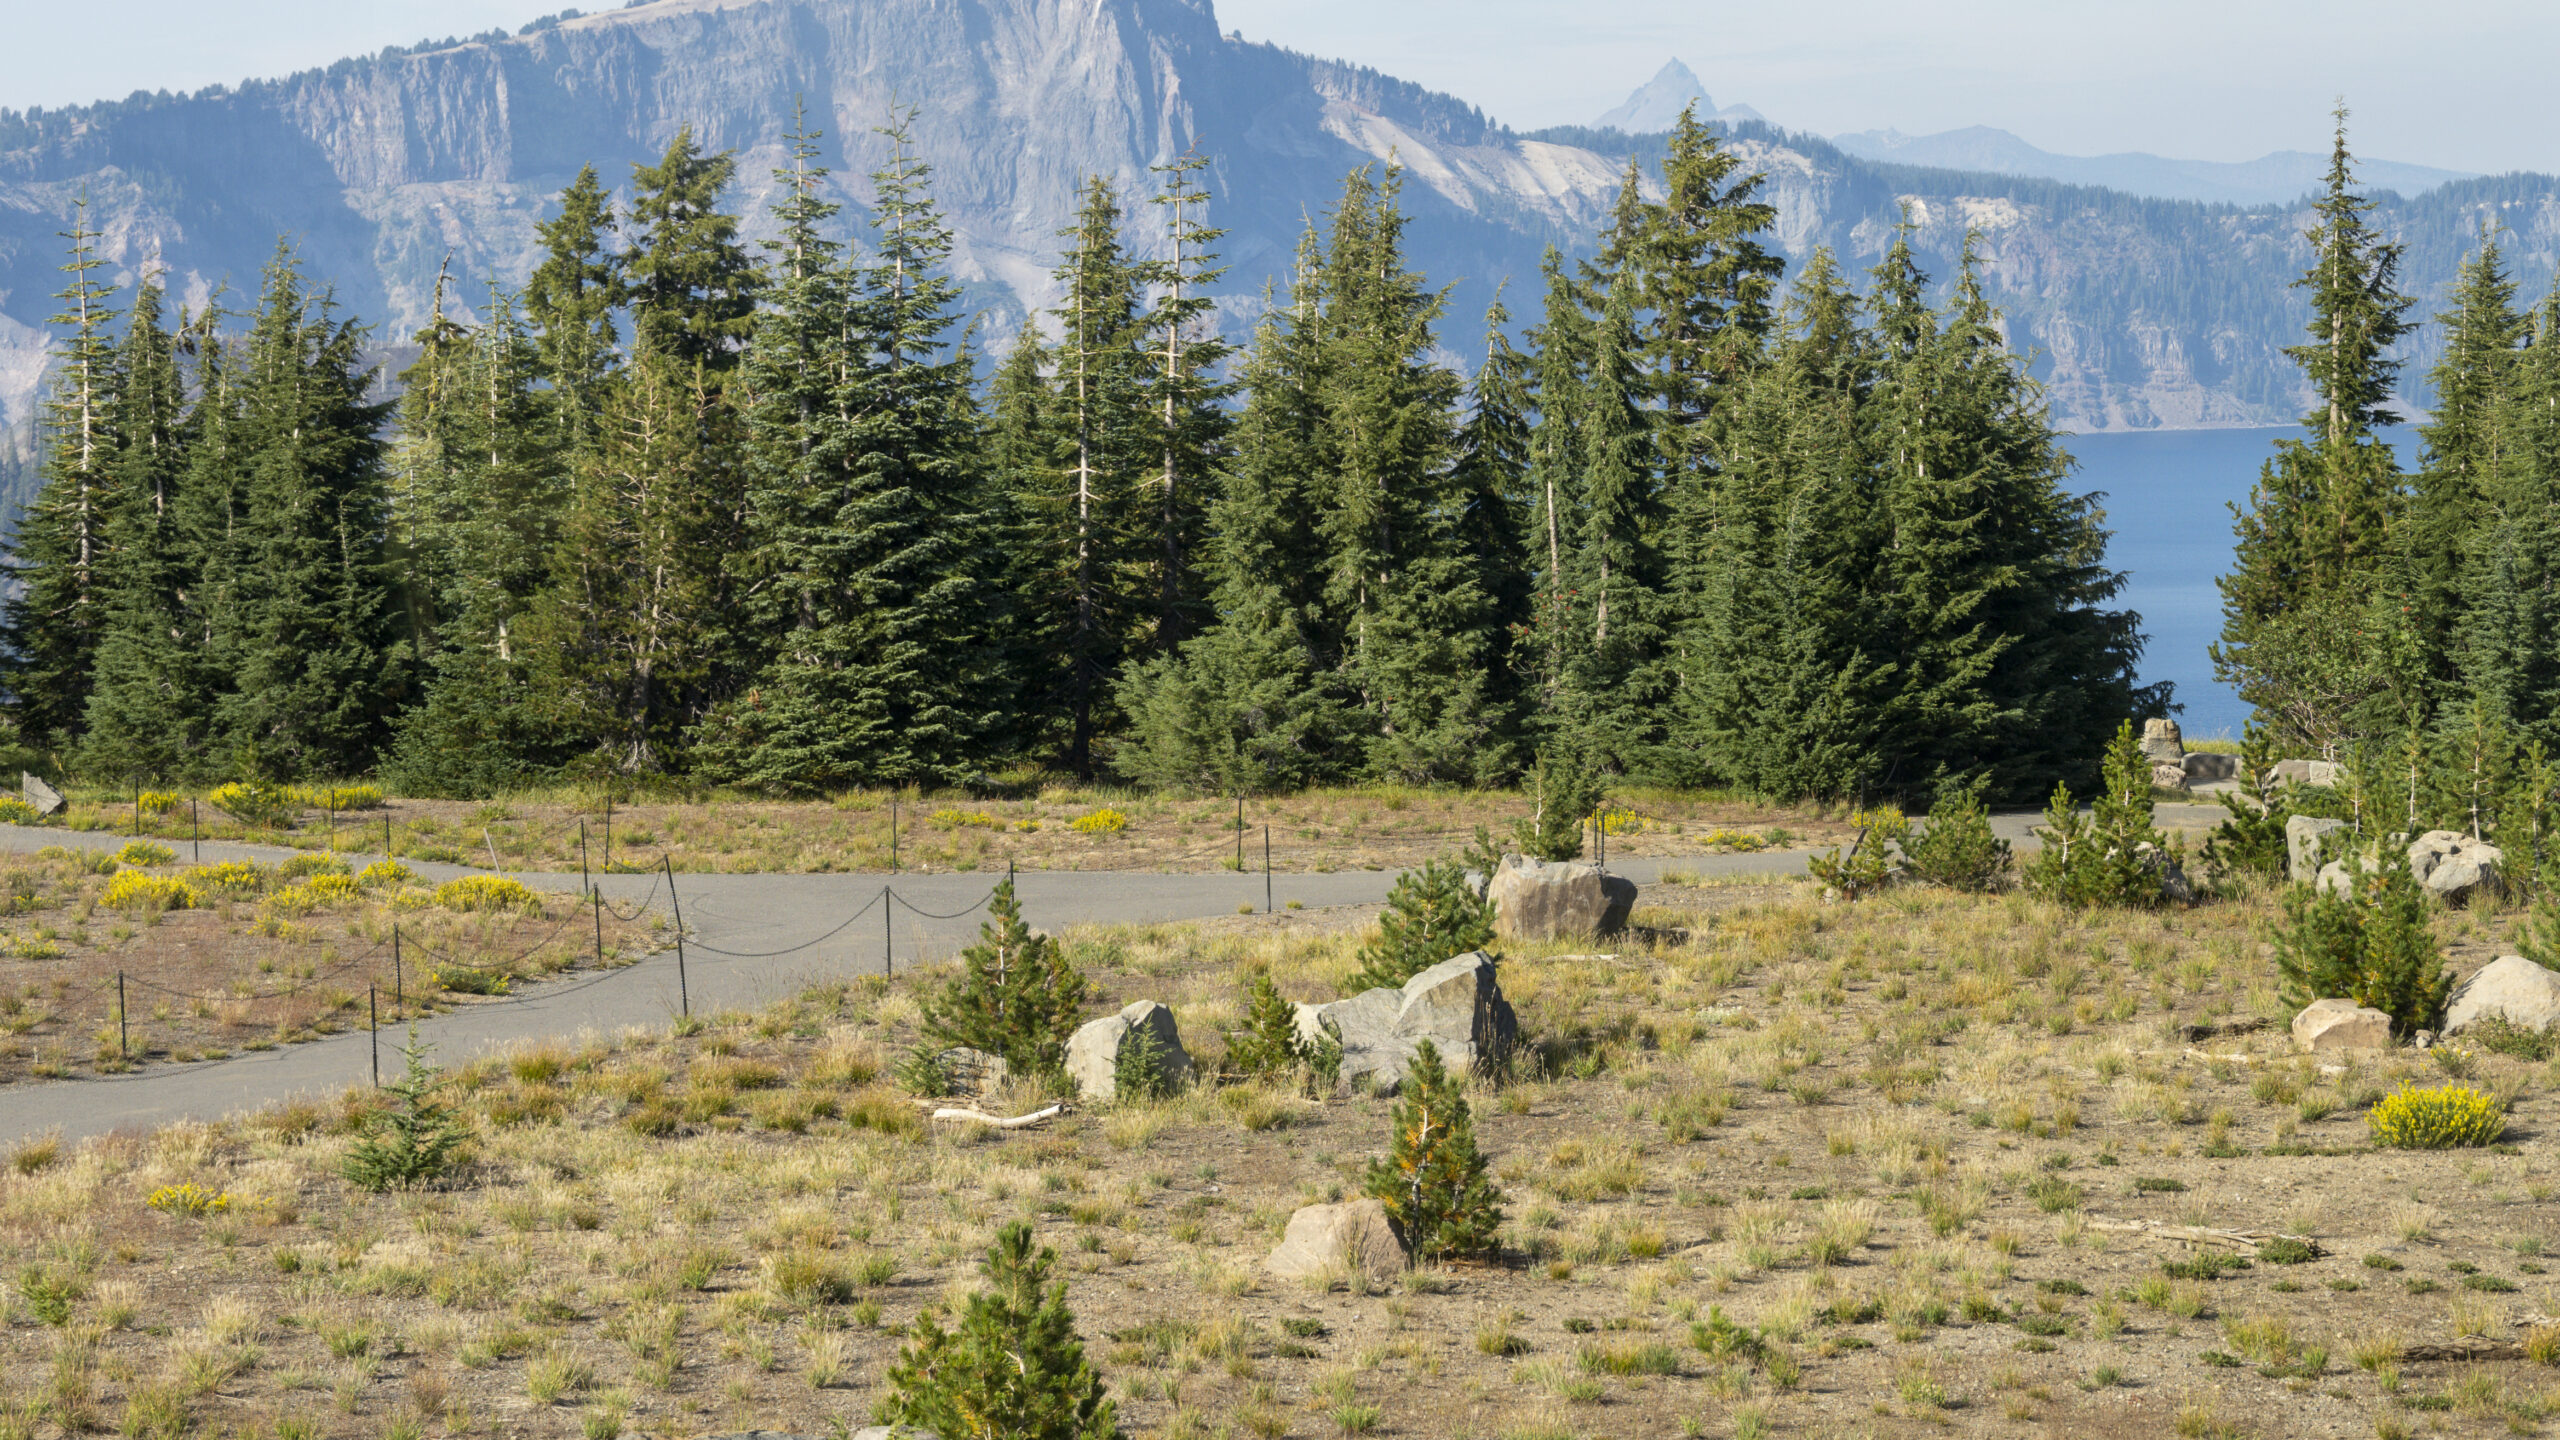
(386, 169)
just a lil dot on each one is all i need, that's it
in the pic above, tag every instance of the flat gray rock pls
(1338, 1239)
(2341, 1025)
(44, 797)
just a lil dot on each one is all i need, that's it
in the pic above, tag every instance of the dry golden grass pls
(1814, 1170)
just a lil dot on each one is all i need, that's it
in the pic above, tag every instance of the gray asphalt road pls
(752, 939)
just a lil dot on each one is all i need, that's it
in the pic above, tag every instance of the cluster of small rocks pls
(2451, 865)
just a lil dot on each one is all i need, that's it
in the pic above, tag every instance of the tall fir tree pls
(1493, 499)
(1403, 609)
(51, 625)
(317, 672)
(569, 302)
(1187, 397)
(688, 278)
(2466, 441)
(2302, 618)
(1084, 496)
(144, 713)
(888, 674)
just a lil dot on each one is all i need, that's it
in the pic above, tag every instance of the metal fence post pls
(373, 1027)
(195, 829)
(1266, 869)
(399, 983)
(123, 1050)
(684, 991)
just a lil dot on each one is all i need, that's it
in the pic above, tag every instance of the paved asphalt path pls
(750, 940)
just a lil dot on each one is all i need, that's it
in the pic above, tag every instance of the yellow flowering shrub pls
(335, 797)
(1734, 840)
(133, 890)
(1620, 822)
(162, 802)
(231, 877)
(320, 892)
(956, 819)
(295, 867)
(144, 852)
(14, 811)
(188, 1198)
(252, 804)
(486, 892)
(385, 872)
(1105, 821)
(2437, 1119)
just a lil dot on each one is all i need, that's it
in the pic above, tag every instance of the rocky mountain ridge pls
(386, 169)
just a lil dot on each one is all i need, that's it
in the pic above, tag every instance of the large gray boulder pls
(2510, 987)
(2302, 837)
(2201, 767)
(2161, 742)
(1457, 1005)
(44, 797)
(1093, 1052)
(1542, 900)
(2455, 866)
(2308, 772)
(2341, 1025)
(1331, 1240)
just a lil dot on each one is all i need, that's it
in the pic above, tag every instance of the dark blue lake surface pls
(2167, 497)
(2166, 494)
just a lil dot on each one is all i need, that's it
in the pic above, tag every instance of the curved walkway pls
(750, 940)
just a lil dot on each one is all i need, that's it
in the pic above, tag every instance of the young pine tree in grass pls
(1016, 997)
(2372, 947)
(2116, 856)
(1432, 914)
(1433, 1182)
(415, 1141)
(1012, 1369)
(1268, 1045)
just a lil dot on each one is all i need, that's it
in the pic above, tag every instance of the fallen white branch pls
(2202, 1234)
(1016, 1123)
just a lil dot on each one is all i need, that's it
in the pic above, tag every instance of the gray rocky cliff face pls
(383, 170)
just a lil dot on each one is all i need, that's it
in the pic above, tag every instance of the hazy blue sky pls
(2458, 83)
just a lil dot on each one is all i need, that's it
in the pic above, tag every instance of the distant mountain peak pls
(1657, 103)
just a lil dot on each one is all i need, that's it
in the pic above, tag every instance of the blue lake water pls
(2167, 495)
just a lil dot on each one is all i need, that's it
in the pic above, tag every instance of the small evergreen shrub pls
(464, 980)
(2115, 856)
(145, 852)
(1871, 861)
(1568, 791)
(487, 892)
(1138, 1068)
(1268, 1045)
(1432, 914)
(1432, 1181)
(2437, 1119)
(1016, 996)
(415, 1140)
(2250, 839)
(133, 890)
(1012, 1367)
(2373, 947)
(1958, 849)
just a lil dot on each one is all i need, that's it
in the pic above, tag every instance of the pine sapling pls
(1012, 1369)
(1432, 914)
(1268, 1045)
(2373, 947)
(2116, 856)
(414, 1141)
(1432, 1181)
(1016, 996)
(1958, 849)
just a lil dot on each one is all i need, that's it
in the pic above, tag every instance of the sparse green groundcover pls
(1810, 1151)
